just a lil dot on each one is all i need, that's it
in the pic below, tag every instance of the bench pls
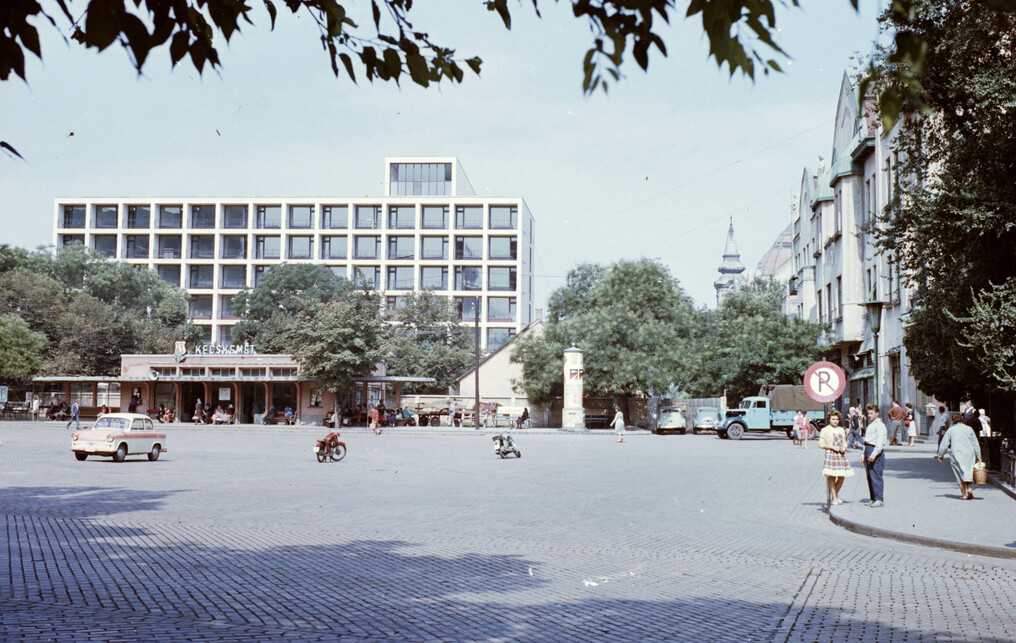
(597, 421)
(510, 415)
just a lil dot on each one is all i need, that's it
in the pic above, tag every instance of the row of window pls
(496, 338)
(202, 277)
(298, 217)
(302, 247)
(201, 371)
(499, 309)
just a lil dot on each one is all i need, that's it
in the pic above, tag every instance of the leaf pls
(418, 69)
(178, 47)
(272, 12)
(474, 64)
(4, 145)
(347, 62)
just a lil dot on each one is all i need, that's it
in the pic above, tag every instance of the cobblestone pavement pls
(242, 535)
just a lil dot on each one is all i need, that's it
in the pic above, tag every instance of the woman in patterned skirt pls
(833, 440)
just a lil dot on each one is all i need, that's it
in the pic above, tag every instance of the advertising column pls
(573, 416)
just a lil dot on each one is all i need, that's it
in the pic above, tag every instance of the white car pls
(671, 419)
(119, 435)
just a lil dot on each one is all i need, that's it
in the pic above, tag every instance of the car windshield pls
(118, 424)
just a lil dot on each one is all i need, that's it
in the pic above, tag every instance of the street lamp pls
(873, 309)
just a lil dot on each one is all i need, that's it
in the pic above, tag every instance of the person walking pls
(799, 423)
(803, 428)
(75, 411)
(35, 408)
(836, 469)
(911, 424)
(940, 425)
(874, 456)
(375, 419)
(854, 438)
(896, 417)
(618, 424)
(985, 423)
(964, 449)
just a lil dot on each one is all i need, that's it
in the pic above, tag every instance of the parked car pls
(119, 435)
(671, 419)
(707, 418)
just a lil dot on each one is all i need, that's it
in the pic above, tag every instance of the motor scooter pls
(504, 445)
(329, 448)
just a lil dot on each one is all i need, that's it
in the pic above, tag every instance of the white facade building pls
(837, 266)
(430, 230)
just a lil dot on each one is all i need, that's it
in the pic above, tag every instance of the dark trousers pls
(854, 438)
(874, 472)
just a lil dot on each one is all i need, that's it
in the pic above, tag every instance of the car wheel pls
(423, 420)
(338, 453)
(694, 431)
(121, 453)
(735, 431)
(154, 455)
(81, 456)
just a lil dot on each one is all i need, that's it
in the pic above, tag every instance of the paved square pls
(239, 534)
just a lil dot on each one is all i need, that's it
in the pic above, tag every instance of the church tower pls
(730, 269)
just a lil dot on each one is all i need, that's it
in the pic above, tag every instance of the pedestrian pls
(985, 424)
(35, 408)
(855, 428)
(798, 424)
(451, 412)
(964, 449)
(803, 427)
(75, 411)
(836, 469)
(874, 455)
(132, 407)
(199, 412)
(375, 419)
(896, 417)
(911, 424)
(618, 423)
(940, 425)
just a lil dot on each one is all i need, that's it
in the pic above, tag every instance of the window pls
(252, 372)
(394, 303)
(504, 217)
(368, 217)
(202, 216)
(226, 308)
(138, 216)
(435, 217)
(135, 247)
(400, 278)
(401, 217)
(367, 277)
(434, 277)
(202, 247)
(222, 372)
(501, 279)
(469, 217)
(367, 247)
(422, 179)
(269, 217)
(467, 308)
(333, 247)
(498, 337)
(206, 333)
(315, 397)
(829, 302)
(170, 216)
(170, 275)
(469, 247)
(234, 276)
(468, 278)
(300, 248)
(225, 335)
(82, 393)
(234, 216)
(334, 217)
(68, 239)
(108, 393)
(105, 216)
(287, 371)
(201, 308)
(301, 216)
(170, 246)
(401, 247)
(192, 372)
(339, 271)
(234, 246)
(501, 309)
(74, 216)
(503, 248)
(105, 245)
(201, 277)
(259, 274)
(818, 301)
(267, 247)
(434, 248)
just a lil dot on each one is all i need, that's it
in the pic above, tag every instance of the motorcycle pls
(504, 445)
(329, 448)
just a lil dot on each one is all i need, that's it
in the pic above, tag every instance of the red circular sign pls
(825, 381)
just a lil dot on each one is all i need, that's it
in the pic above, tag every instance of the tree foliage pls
(427, 340)
(953, 220)
(633, 322)
(749, 342)
(20, 349)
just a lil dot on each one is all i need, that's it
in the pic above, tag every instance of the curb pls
(1006, 489)
(877, 532)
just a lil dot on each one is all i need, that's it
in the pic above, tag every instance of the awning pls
(863, 373)
(867, 346)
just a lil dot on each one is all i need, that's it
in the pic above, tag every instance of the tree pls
(339, 341)
(749, 342)
(953, 221)
(633, 322)
(20, 349)
(427, 340)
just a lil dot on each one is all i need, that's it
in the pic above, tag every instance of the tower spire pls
(730, 268)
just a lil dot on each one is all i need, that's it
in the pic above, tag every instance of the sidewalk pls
(922, 506)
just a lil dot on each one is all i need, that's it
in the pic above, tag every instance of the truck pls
(772, 410)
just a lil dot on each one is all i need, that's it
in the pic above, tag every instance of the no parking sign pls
(825, 381)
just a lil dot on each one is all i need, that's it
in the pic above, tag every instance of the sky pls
(656, 167)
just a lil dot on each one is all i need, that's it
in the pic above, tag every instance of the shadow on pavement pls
(81, 502)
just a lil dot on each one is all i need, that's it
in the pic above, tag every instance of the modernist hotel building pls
(429, 230)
